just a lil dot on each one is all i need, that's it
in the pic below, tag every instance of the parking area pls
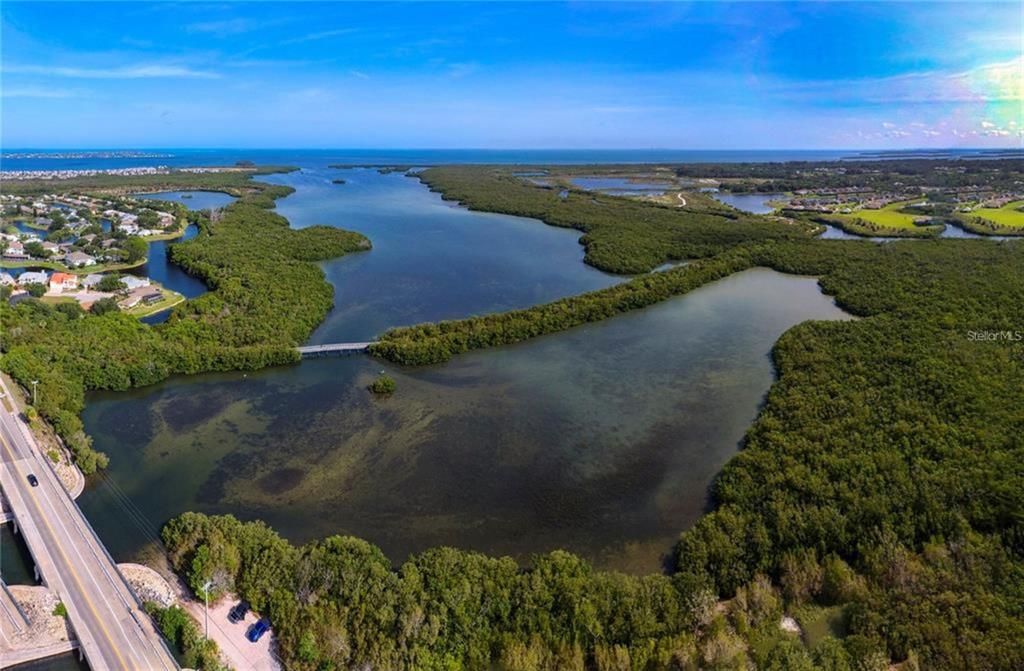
(236, 649)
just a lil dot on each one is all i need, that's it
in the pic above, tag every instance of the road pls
(114, 632)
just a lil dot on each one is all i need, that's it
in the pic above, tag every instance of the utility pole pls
(34, 383)
(206, 614)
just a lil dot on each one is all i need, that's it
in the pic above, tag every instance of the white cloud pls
(227, 27)
(987, 124)
(359, 75)
(888, 125)
(124, 72)
(39, 92)
(310, 37)
(994, 82)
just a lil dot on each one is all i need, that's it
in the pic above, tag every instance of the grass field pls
(887, 222)
(170, 299)
(889, 216)
(1007, 215)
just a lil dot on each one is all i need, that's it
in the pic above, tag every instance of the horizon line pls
(623, 149)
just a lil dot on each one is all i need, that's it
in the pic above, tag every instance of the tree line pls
(620, 235)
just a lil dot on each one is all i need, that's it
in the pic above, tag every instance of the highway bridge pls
(112, 629)
(334, 348)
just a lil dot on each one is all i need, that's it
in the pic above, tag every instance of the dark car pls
(33, 480)
(257, 630)
(237, 614)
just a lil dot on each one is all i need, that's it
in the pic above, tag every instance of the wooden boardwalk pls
(333, 348)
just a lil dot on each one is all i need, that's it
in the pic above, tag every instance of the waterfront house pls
(79, 259)
(63, 282)
(131, 282)
(43, 222)
(145, 294)
(6, 280)
(33, 277)
(91, 280)
(51, 247)
(15, 250)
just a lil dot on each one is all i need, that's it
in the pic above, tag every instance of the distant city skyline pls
(869, 75)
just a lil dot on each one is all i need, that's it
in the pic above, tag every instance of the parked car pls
(238, 612)
(33, 480)
(257, 630)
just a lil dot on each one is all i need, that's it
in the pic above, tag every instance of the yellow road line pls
(71, 567)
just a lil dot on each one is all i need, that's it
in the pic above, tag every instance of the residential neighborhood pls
(78, 231)
(127, 292)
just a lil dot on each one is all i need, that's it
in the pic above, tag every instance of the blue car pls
(257, 630)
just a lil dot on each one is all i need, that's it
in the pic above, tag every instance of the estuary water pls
(601, 440)
(755, 203)
(193, 200)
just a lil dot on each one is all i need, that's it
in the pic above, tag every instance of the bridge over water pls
(337, 348)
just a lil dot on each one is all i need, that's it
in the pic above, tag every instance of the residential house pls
(6, 280)
(18, 297)
(146, 295)
(44, 222)
(15, 250)
(131, 282)
(33, 277)
(51, 247)
(91, 280)
(63, 282)
(79, 260)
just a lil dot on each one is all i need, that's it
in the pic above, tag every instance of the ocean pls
(101, 159)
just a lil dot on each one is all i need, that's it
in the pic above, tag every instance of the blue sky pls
(523, 75)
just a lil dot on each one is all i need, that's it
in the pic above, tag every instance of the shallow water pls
(755, 203)
(193, 200)
(16, 565)
(620, 186)
(602, 440)
(431, 259)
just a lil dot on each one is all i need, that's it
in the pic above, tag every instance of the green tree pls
(136, 248)
(105, 306)
(110, 283)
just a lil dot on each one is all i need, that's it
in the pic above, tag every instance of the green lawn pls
(170, 299)
(1007, 215)
(886, 222)
(889, 216)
